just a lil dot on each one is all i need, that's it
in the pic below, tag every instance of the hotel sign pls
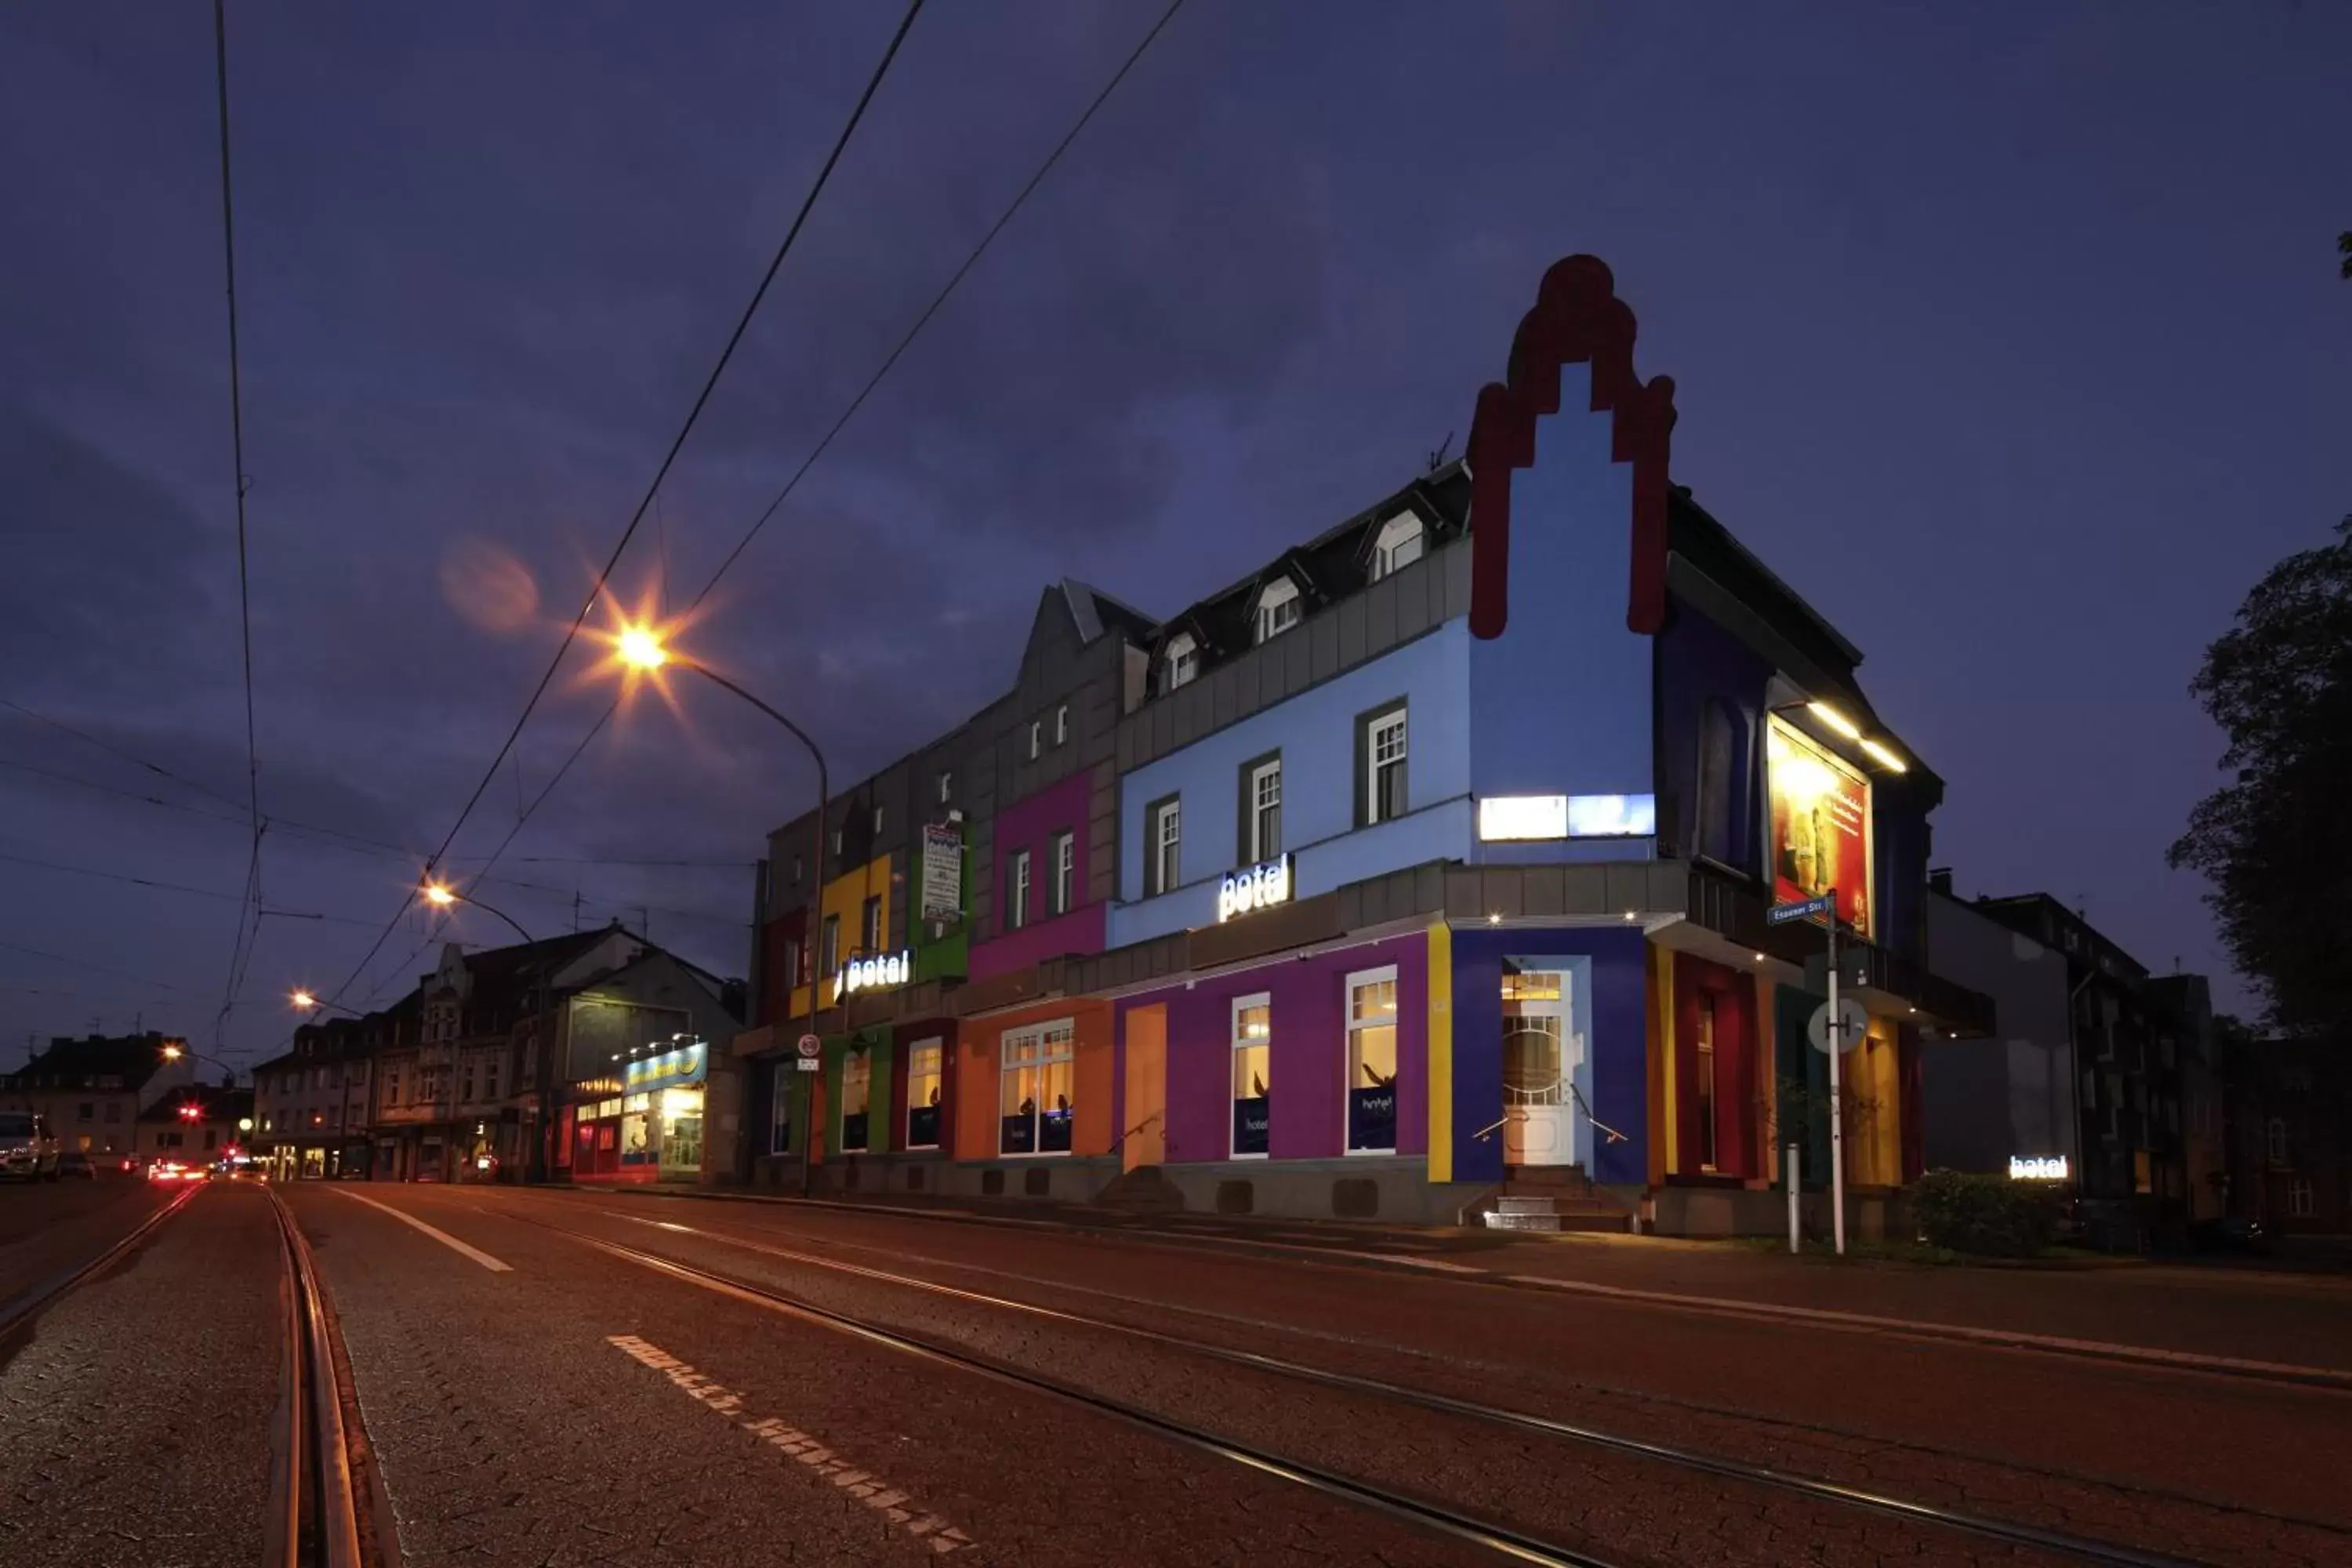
(1258, 886)
(874, 973)
(2037, 1167)
(1542, 818)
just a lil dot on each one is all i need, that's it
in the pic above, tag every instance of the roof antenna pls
(1437, 458)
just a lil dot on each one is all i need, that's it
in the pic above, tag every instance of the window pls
(1706, 1081)
(1036, 1085)
(829, 952)
(1371, 1060)
(946, 786)
(877, 822)
(1398, 544)
(1252, 1044)
(797, 864)
(1037, 738)
(856, 1094)
(2299, 1204)
(85, 1111)
(869, 924)
(1180, 663)
(1016, 892)
(785, 1089)
(1061, 724)
(1066, 871)
(1261, 810)
(1164, 825)
(796, 968)
(923, 1094)
(1277, 608)
(491, 1079)
(465, 1083)
(836, 841)
(2275, 1140)
(1384, 765)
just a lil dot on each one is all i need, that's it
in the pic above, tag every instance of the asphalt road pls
(551, 1377)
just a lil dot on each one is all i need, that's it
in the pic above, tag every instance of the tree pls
(2276, 843)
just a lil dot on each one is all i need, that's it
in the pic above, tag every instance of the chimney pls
(1939, 880)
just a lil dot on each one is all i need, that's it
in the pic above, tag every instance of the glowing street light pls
(439, 893)
(640, 648)
(304, 1000)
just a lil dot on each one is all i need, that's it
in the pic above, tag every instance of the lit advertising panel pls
(1821, 825)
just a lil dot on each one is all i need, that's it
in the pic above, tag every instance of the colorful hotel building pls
(1426, 866)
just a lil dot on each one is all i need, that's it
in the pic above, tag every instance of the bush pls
(1985, 1216)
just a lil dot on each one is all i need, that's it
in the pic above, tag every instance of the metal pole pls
(1790, 1159)
(1837, 1099)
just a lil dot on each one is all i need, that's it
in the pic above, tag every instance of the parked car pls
(27, 1148)
(2231, 1235)
(74, 1163)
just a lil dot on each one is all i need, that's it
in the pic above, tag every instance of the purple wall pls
(1031, 825)
(1308, 1060)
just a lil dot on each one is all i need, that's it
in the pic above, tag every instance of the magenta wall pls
(1031, 825)
(1309, 998)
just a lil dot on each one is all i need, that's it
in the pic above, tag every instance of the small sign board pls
(1854, 1023)
(806, 1063)
(1806, 909)
(810, 1047)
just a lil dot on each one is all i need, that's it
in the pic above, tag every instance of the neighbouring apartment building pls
(1425, 863)
(2290, 1137)
(93, 1088)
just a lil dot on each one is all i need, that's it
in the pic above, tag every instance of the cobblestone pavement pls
(135, 1418)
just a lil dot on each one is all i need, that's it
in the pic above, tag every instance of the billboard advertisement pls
(942, 881)
(1820, 825)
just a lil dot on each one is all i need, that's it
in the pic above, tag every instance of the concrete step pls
(1515, 1203)
(1558, 1209)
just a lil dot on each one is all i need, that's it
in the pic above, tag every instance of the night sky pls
(2016, 347)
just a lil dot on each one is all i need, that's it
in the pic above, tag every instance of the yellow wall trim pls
(1440, 1052)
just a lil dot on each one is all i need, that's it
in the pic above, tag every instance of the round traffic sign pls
(811, 1047)
(1854, 1020)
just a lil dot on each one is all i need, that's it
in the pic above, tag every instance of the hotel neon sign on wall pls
(878, 974)
(1253, 888)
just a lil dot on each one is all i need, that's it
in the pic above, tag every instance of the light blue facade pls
(1316, 733)
(1562, 702)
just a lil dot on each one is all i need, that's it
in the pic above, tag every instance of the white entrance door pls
(1540, 1057)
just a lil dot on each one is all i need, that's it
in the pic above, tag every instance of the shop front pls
(647, 1125)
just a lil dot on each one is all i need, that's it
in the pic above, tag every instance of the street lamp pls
(444, 896)
(640, 648)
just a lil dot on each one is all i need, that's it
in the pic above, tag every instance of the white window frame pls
(1062, 725)
(1274, 600)
(1235, 1045)
(936, 1045)
(2302, 1201)
(1387, 972)
(1393, 719)
(1036, 739)
(946, 785)
(1167, 830)
(1400, 533)
(1016, 916)
(1066, 871)
(1068, 1052)
(1261, 776)
(1180, 662)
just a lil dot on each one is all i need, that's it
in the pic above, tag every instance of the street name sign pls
(1810, 909)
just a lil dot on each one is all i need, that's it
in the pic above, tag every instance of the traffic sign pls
(806, 1063)
(1810, 909)
(1854, 1023)
(811, 1047)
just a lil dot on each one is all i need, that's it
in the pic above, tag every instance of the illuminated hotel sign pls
(1253, 887)
(875, 974)
(1535, 819)
(2037, 1167)
(681, 1064)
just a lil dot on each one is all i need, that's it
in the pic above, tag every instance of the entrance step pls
(1555, 1209)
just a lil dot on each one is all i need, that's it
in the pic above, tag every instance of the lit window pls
(1035, 1083)
(1252, 1044)
(1181, 663)
(1016, 892)
(1384, 749)
(1061, 724)
(1398, 544)
(1167, 831)
(923, 1095)
(1371, 1059)
(857, 1092)
(1264, 838)
(1277, 608)
(1066, 871)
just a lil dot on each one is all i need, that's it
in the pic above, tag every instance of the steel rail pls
(315, 1524)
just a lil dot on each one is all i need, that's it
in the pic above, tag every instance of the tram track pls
(323, 1513)
(2011, 1534)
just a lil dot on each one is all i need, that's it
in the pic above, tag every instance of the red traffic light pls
(190, 1112)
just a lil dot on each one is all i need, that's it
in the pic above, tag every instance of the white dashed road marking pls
(442, 1237)
(864, 1485)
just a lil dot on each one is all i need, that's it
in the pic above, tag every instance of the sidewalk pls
(2282, 1321)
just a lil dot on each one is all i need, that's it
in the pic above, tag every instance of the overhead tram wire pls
(889, 362)
(240, 952)
(678, 444)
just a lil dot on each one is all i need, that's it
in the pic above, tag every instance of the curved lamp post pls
(443, 896)
(641, 648)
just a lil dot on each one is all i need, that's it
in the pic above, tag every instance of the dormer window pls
(1181, 662)
(1277, 608)
(1398, 544)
